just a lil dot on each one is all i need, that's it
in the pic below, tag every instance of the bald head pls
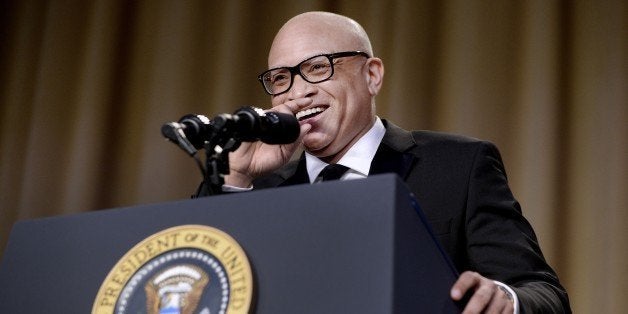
(313, 33)
(336, 111)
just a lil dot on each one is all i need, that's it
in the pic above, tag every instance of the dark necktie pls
(331, 172)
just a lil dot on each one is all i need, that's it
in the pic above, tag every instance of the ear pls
(374, 75)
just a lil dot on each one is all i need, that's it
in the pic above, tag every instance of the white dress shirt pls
(358, 158)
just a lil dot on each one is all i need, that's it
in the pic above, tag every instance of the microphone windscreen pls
(267, 126)
(281, 128)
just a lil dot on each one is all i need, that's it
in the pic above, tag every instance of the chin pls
(315, 148)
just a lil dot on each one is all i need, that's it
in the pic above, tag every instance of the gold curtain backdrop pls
(86, 86)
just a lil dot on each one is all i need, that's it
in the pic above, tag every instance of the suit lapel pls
(392, 155)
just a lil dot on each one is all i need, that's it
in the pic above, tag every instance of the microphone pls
(190, 132)
(248, 124)
(253, 124)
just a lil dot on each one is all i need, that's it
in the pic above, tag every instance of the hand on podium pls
(486, 295)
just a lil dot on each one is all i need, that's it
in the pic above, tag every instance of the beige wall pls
(86, 86)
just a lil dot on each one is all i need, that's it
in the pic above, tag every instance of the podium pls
(360, 246)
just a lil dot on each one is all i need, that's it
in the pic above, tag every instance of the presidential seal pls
(181, 270)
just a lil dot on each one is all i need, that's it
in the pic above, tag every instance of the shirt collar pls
(358, 158)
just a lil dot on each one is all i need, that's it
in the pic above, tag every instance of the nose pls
(301, 88)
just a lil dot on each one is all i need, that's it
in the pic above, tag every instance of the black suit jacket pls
(461, 185)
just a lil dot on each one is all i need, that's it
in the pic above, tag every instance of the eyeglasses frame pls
(294, 70)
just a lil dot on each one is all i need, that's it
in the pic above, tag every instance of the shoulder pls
(424, 137)
(440, 152)
(433, 142)
(440, 141)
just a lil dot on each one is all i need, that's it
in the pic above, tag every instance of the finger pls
(481, 298)
(498, 304)
(508, 308)
(506, 298)
(293, 106)
(465, 282)
(290, 148)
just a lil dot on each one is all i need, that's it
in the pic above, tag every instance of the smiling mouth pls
(309, 113)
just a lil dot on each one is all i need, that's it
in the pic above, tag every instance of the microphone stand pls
(217, 149)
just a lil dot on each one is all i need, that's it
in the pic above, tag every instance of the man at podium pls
(322, 69)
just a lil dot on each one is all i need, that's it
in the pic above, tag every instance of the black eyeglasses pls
(316, 69)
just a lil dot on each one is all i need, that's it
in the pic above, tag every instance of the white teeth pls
(307, 112)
